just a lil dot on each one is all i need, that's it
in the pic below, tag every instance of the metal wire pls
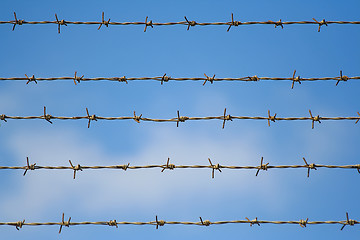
(166, 78)
(224, 118)
(157, 223)
(187, 23)
(170, 166)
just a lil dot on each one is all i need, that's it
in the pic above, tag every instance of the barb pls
(186, 23)
(171, 166)
(202, 222)
(164, 78)
(106, 23)
(179, 118)
(17, 22)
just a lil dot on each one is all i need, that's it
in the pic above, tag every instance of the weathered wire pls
(164, 78)
(171, 166)
(187, 23)
(157, 223)
(138, 119)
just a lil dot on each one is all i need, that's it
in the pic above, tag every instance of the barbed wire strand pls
(224, 118)
(303, 223)
(165, 78)
(171, 166)
(187, 23)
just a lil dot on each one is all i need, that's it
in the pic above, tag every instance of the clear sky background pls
(181, 195)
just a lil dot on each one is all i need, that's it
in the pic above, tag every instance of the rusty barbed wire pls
(171, 166)
(114, 223)
(224, 118)
(165, 78)
(187, 23)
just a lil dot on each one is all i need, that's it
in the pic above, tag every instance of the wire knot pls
(226, 118)
(106, 23)
(355, 122)
(309, 166)
(47, 117)
(190, 23)
(122, 79)
(137, 118)
(31, 79)
(165, 78)
(303, 222)
(214, 167)
(323, 22)
(17, 21)
(358, 168)
(77, 79)
(350, 222)
(278, 23)
(262, 166)
(62, 22)
(297, 79)
(29, 166)
(205, 222)
(314, 119)
(90, 117)
(63, 223)
(168, 166)
(19, 224)
(252, 222)
(210, 79)
(180, 119)
(271, 118)
(254, 78)
(150, 23)
(113, 223)
(233, 23)
(3, 117)
(342, 78)
(75, 168)
(159, 223)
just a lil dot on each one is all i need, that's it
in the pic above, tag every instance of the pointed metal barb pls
(125, 166)
(210, 79)
(77, 79)
(168, 166)
(190, 23)
(233, 23)
(106, 23)
(32, 79)
(205, 223)
(19, 224)
(150, 23)
(137, 118)
(165, 78)
(180, 119)
(214, 167)
(262, 166)
(342, 78)
(314, 119)
(278, 23)
(17, 21)
(226, 118)
(297, 79)
(62, 22)
(323, 22)
(252, 222)
(113, 223)
(123, 79)
(254, 78)
(349, 222)
(47, 117)
(309, 166)
(28, 166)
(159, 222)
(63, 223)
(75, 168)
(91, 118)
(303, 223)
(271, 118)
(3, 117)
(355, 122)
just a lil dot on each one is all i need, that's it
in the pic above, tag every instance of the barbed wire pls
(114, 223)
(225, 117)
(165, 78)
(187, 23)
(171, 166)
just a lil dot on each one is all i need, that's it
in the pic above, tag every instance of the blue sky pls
(180, 194)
